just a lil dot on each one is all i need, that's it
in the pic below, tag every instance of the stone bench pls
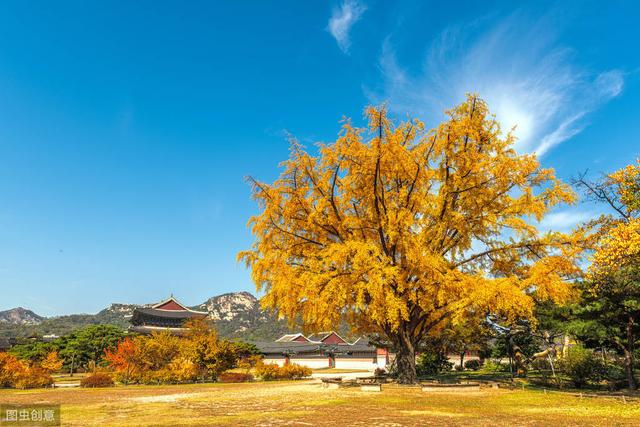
(330, 385)
(334, 383)
(331, 379)
(370, 380)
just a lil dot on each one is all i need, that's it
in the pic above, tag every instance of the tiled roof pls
(290, 337)
(318, 337)
(171, 299)
(146, 329)
(171, 314)
(293, 347)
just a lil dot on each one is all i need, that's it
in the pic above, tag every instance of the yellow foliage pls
(51, 363)
(165, 358)
(290, 371)
(626, 182)
(19, 374)
(621, 247)
(11, 368)
(619, 243)
(397, 229)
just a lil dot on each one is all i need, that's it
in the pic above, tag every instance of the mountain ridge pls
(235, 315)
(20, 316)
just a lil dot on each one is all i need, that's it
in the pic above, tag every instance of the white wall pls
(356, 363)
(455, 359)
(381, 361)
(364, 363)
(278, 361)
(315, 363)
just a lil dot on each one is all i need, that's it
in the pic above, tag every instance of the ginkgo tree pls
(399, 230)
(609, 313)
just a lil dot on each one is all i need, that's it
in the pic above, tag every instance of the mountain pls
(229, 306)
(235, 315)
(239, 315)
(20, 316)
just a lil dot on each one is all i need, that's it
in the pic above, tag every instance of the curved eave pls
(171, 314)
(150, 329)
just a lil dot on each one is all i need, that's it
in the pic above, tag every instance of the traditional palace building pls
(324, 350)
(168, 315)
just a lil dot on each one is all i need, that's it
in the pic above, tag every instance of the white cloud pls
(565, 220)
(341, 21)
(529, 80)
(567, 129)
(610, 83)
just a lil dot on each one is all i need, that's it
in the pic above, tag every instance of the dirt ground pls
(308, 403)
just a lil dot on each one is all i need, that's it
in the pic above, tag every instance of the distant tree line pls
(108, 354)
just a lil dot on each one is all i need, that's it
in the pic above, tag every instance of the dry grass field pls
(307, 403)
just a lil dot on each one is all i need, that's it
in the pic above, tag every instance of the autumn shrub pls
(156, 351)
(271, 371)
(294, 371)
(267, 371)
(98, 379)
(246, 363)
(33, 377)
(235, 377)
(125, 360)
(19, 374)
(51, 362)
(10, 369)
(473, 364)
(182, 369)
(155, 377)
(179, 370)
(582, 366)
(151, 377)
(162, 358)
(125, 377)
(212, 356)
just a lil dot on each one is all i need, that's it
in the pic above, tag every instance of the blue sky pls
(126, 128)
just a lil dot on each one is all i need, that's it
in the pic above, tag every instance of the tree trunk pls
(511, 366)
(518, 358)
(406, 364)
(628, 355)
(462, 360)
(628, 365)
